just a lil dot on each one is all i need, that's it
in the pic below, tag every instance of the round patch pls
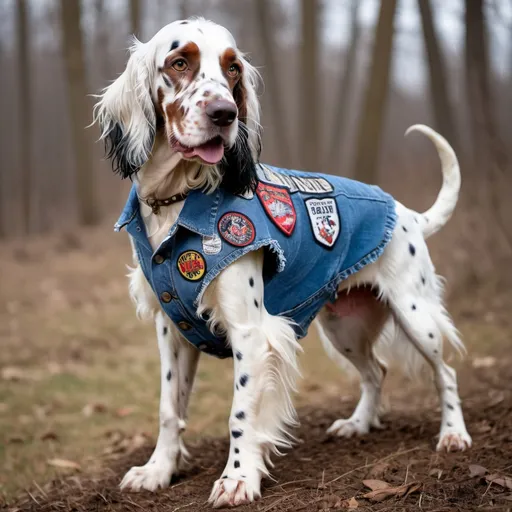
(236, 229)
(191, 265)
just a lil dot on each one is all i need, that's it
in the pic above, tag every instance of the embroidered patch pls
(308, 185)
(191, 265)
(279, 206)
(237, 229)
(212, 244)
(325, 221)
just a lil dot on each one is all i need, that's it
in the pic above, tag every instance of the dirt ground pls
(325, 474)
(79, 379)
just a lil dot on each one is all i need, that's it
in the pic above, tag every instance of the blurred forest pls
(343, 80)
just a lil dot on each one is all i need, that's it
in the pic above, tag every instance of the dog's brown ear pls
(126, 115)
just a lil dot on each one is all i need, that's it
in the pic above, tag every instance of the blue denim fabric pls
(300, 274)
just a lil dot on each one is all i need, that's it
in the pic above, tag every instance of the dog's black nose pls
(221, 112)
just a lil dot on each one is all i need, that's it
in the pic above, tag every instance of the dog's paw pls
(454, 442)
(349, 428)
(152, 476)
(228, 492)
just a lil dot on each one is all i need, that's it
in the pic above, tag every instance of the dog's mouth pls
(209, 152)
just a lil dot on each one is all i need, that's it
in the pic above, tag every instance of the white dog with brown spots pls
(184, 116)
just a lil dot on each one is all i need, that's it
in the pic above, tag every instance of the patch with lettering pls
(236, 229)
(212, 244)
(191, 265)
(278, 205)
(325, 220)
(308, 185)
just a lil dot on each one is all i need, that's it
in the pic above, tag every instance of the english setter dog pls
(234, 257)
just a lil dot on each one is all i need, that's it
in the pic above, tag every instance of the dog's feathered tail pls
(441, 211)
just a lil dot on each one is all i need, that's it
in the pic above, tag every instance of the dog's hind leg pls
(407, 280)
(350, 327)
(178, 360)
(425, 325)
(265, 370)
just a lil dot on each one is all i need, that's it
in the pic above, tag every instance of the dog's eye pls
(180, 65)
(234, 70)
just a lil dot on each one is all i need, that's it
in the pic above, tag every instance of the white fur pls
(265, 347)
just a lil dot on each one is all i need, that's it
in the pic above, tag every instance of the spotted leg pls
(425, 324)
(178, 360)
(350, 327)
(264, 349)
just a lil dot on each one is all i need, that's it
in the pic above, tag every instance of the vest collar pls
(199, 213)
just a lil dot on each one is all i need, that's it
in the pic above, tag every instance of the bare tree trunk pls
(370, 126)
(135, 18)
(437, 76)
(343, 97)
(308, 79)
(102, 39)
(265, 24)
(183, 9)
(489, 153)
(78, 107)
(25, 115)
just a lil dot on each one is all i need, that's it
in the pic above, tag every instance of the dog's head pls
(191, 85)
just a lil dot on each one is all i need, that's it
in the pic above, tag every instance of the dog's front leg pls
(178, 360)
(264, 349)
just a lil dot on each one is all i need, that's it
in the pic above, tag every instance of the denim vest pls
(316, 231)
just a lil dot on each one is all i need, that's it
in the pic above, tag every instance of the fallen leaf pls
(15, 440)
(375, 485)
(352, 503)
(436, 473)
(378, 471)
(477, 470)
(49, 436)
(482, 427)
(124, 411)
(484, 362)
(13, 373)
(91, 409)
(501, 480)
(63, 464)
(388, 492)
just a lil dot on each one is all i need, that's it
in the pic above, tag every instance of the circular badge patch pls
(191, 265)
(236, 229)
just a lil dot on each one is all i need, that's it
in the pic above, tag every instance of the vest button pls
(159, 259)
(166, 297)
(184, 326)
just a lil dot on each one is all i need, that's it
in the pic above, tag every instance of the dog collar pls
(155, 204)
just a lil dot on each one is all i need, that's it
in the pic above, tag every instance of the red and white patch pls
(325, 221)
(279, 206)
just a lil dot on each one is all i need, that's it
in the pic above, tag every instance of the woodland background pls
(343, 80)
(79, 373)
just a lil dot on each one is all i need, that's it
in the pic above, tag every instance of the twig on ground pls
(184, 506)
(375, 463)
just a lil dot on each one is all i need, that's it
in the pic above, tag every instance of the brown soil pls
(323, 473)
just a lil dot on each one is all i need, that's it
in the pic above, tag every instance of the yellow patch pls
(191, 265)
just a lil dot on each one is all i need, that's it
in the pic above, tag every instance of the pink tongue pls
(211, 152)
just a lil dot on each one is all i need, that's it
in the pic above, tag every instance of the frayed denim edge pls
(268, 242)
(331, 287)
